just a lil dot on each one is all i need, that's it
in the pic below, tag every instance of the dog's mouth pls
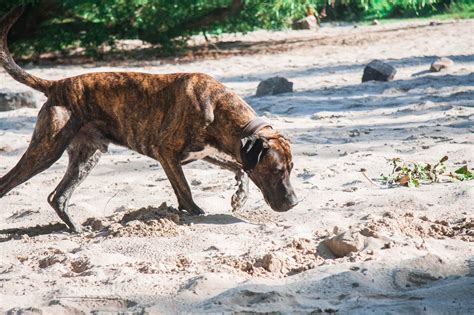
(282, 204)
(285, 206)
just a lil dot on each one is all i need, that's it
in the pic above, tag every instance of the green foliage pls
(413, 174)
(54, 25)
(462, 173)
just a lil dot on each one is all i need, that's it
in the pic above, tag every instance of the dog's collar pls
(248, 132)
(253, 126)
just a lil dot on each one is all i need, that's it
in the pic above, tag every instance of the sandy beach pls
(138, 254)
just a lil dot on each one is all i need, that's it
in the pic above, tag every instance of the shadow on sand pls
(8, 234)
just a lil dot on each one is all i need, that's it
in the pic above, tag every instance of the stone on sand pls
(13, 100)
(378, 70)
(441, 64)
(271, 263)
(273, 86)
(344, 243)
(307, 23)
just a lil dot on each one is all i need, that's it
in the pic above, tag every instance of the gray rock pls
(13, 100)
(441, 64)
(273, 86)
(378, 70)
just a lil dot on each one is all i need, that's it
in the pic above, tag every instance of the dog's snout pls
(292, 199)
(288, 201)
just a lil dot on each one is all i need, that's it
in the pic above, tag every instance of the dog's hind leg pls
(84, 153)
(239, 198)
(53, 131)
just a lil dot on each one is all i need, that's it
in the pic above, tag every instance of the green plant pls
(413, 174)
(462, 173)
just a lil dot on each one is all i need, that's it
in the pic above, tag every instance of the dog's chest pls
(199, 155)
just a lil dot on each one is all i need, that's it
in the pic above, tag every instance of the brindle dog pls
(166, 117)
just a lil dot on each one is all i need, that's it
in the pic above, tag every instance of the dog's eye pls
(277, 170)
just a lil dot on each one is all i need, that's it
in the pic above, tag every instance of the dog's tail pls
(7, 61)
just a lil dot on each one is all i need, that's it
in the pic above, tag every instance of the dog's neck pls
(237, 122)
(254, 126)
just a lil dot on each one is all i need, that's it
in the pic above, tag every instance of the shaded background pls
(62, 26)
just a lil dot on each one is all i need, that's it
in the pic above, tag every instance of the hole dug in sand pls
(392, 230)
(297, 256)
(362, 242)
(54, 260)
(144, 222)
(422, 271)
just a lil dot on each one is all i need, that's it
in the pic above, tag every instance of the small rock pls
(441, 64)
(48, 261)
(273, 86)
(343, 244)
(196, 182)
(80, 265)
(375, 22)
(13, 100)
(303, 244)
(378, 70)
(354, 133)
(271, 263)
(95, 224)
(307, 23)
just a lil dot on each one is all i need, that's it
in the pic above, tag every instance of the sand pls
(395, 250)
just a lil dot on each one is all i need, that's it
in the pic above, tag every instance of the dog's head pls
(267, 160)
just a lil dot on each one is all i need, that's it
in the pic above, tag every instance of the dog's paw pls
(75, 228)
(193, 209)
(238, 200)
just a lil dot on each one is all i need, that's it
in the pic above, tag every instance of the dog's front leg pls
(181, 188)
(239, 198)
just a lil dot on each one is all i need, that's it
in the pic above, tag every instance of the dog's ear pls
(252, 150)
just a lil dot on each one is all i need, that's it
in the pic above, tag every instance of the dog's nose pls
(289, 202)
(292, 200)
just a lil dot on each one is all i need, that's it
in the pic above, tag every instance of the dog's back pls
(125, 104)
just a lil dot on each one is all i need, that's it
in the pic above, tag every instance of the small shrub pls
(412, 174)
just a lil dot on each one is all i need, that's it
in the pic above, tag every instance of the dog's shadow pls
(145, 214)
(8, 234)
(213, 219)
(16, 233)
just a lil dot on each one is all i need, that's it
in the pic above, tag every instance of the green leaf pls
(413, 183)
(463, 173)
